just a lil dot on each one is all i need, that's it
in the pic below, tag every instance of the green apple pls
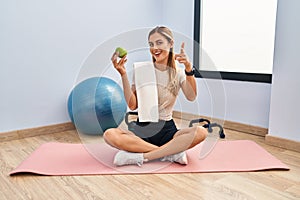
(121, 52)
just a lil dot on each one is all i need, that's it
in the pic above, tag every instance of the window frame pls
(236, 76)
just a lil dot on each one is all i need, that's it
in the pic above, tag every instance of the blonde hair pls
(173, 82)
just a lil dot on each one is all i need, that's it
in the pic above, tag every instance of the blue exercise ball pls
(96, 104)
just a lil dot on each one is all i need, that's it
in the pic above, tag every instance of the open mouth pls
(157, 53)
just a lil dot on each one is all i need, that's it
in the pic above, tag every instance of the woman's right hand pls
(120, 66)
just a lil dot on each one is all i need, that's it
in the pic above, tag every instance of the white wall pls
(178, 15)
(44, 43)
(285, 98)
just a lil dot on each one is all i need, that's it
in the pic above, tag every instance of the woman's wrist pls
(123, 73)
(189, 71)
(188, 67)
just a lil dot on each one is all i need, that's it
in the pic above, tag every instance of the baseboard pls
(31, 132)
(271, 140)
(245, 128)
(283, 143)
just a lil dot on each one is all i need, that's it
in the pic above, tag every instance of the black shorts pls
(157, 133)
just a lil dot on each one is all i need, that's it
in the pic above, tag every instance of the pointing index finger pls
(182, 48)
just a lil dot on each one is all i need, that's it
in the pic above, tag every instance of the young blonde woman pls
(168, 143)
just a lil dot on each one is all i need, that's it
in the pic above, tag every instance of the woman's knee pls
(200, 134)
(110, 135)
(116, 137)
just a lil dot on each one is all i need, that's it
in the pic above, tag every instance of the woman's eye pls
(151, 44)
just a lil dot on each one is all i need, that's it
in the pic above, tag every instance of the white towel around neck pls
(146, 89)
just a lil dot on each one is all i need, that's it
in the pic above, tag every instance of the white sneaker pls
(128, 158)
(180, 158)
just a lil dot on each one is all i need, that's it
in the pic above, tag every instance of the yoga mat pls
(76, 159)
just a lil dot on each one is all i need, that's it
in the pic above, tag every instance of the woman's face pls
(159, 48)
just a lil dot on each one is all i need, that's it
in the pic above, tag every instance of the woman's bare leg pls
(184, 139)
(144, 151)
(127, 141)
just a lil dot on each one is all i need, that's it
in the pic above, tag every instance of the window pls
(234, 39)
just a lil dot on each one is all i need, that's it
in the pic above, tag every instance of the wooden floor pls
(262, 185)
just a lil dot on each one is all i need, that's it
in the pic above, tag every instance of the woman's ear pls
(171, 43)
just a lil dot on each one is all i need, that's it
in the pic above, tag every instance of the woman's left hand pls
(183, 58)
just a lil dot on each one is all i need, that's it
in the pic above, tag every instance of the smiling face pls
(160, 47)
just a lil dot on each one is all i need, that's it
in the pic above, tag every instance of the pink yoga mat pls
(92, 159)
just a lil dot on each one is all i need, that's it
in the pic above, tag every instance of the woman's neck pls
(161, 67)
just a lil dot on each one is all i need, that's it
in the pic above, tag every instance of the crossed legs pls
(183, 139)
